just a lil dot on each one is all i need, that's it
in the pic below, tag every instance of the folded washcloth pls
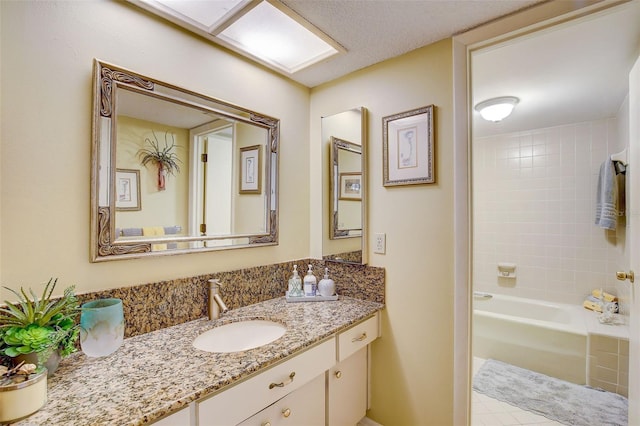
(607, 197)
(592, 305)
(594, 299)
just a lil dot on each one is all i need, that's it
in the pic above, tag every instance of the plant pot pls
(19, 400)
(162, 177)
(51, 363)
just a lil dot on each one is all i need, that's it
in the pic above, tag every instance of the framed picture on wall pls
(250, 170)
(407, 140)
(128, 190)
(351, 186)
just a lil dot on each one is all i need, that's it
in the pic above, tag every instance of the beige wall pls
(46, 98)
(412, 362)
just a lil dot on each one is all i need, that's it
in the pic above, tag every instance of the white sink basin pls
(239, 336)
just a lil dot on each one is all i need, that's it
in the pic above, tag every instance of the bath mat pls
(552, 398)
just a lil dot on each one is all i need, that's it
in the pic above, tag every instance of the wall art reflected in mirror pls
(174, 171)
(344, 187)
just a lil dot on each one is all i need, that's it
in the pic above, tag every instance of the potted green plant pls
(166, 159)
(40, 330)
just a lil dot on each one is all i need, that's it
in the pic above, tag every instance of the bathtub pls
(550, 338)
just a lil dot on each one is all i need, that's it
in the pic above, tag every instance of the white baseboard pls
(366, 421)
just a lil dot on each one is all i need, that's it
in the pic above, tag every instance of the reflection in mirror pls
(344, 194)
(211, 182)
(346, 189)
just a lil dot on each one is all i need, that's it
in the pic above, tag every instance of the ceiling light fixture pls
(264, 30)
(497, 109)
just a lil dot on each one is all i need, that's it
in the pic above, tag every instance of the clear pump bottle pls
(295, 284)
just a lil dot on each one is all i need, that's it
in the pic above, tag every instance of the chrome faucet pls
(216, 305)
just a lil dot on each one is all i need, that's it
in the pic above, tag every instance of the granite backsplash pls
(153, 306)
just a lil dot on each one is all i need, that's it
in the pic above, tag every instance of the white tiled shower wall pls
(534, 205)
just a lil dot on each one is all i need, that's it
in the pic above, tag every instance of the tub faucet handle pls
(622, 276)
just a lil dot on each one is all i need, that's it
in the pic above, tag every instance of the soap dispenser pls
(310, 283)
(295, 284)
(326, 286)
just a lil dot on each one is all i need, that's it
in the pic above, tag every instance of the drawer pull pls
(338, 374)
(283, 384)
(286, 412)
(266, 424)
(359, 339)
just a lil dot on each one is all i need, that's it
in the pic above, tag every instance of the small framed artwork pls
(408, 149)
(128, 190)
(250, 169)
(351, 186)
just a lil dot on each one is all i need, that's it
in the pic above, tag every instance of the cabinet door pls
(305, 406)
(347, 390)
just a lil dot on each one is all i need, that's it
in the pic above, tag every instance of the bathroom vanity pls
(316, 373)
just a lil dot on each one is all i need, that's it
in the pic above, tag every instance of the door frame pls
(515, 25)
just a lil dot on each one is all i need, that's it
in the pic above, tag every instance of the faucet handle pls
(215, 284)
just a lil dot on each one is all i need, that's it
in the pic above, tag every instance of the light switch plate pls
(380, 241)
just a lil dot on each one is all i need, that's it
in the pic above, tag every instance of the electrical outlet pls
(380, 241)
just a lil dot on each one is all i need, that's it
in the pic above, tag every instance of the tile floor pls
(486, 411)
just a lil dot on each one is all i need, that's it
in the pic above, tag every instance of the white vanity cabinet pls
(325, 385)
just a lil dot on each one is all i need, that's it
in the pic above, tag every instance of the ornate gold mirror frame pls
(109, 82)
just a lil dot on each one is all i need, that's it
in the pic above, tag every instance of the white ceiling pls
(371, 31)
(573, 72)
(376, 30)
(566, 74)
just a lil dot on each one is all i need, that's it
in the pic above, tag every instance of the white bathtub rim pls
(583, 321)
(574, 327)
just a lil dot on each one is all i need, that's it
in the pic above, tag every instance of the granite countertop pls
(160, 372)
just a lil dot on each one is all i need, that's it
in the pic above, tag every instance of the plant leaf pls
(17, 313)
(27, 306)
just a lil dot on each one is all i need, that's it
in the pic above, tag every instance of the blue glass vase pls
(101, 327)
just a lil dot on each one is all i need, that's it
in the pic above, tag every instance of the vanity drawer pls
(305, 406)
(357, 337)
(239, 402)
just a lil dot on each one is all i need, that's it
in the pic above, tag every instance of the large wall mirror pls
(345, 183)
(175, 171)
